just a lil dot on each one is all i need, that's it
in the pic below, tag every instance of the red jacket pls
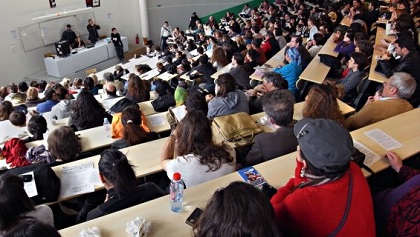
(317, 210)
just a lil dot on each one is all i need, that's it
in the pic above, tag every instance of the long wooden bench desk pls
(166, 223)
(405, 128)
(374, 75)
(144, 157)
(277, 172)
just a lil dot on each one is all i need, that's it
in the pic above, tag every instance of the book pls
(252, 176)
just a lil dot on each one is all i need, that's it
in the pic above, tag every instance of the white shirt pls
(193, 173)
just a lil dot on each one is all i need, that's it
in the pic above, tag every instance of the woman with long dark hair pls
(119, 179)
(197, 159)
(16, 206)
(133, 132)
(86, 112)
(137, 90)
(237, 210)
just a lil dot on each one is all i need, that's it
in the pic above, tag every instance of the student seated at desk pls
(197, 159)
(63, 108)
(279, 111)
(119, 180)
(396, 91)
(291, 71)
(117, 127)
(237, 210)
(6, 108)
(37, 126)
(133, 132)
(228, 99)
(32, 228)
(18, 118)
(78, 43)
(326, 187)
(50, 100)
(32, 98)
(321, 102)
(16, 206)
(86, 112)
(137, 89)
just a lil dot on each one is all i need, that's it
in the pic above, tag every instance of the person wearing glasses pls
(396, 91)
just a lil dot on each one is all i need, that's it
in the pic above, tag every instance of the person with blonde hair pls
(32, 97)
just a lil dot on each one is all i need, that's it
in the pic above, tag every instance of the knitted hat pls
(324, 143)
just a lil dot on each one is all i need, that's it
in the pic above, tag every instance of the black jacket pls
(142, 193)
(409, 64)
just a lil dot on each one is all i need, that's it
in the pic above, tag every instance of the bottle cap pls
(177, 176)
(105, 120)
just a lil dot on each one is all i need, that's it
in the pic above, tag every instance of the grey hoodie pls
(62, 109)
(234, 102)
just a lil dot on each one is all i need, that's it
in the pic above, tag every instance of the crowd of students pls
(328, 194)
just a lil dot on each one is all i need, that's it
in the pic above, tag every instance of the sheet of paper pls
(179, 112)
(156, 120)
(94, 178)
(383, 139)
(371, 156)
(30, 187)
(77, 180)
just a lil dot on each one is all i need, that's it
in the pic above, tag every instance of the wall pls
(15, 64)
(178, 12)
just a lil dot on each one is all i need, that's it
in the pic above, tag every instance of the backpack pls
(162, 103)
(47, 182)
(14, 151)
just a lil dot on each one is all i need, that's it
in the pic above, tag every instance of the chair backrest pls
(48, 55)
(90, 71)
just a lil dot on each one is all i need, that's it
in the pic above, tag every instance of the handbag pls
(239, 128)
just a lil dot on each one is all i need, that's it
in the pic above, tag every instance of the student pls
(279, 110)
(197, 159)
(356, 64)
(133, 133)
(119, 47)
(63, 108)
(321, 102)
(6, 108)
(32, 98)
(327, 186)
(50, 100)
(18, 118)
(86, 112)
(228, 99)
(16, 206)
(119, 180)
(137, 90)
(37, 126)
(32, 228)
(63, 144)
(237, 210)
(291, 71)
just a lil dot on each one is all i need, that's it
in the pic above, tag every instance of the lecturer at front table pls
(92, 28)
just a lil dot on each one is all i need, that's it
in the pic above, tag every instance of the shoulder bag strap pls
(346, 213)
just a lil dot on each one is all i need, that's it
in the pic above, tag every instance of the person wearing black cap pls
(329, 196)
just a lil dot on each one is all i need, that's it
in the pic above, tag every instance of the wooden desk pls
(374, 75)
(166, 76)
(158, 122)
(166, 223)
(90, 139)
(225, 69)
(146, 163)
(346, 21)
(276, 60)
(405, 128)
(147, 108)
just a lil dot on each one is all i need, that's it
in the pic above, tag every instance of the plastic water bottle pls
(107, 128)
(176, 195)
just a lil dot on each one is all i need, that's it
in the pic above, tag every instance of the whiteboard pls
(82, 22)
(31, 37)
(51, 31)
